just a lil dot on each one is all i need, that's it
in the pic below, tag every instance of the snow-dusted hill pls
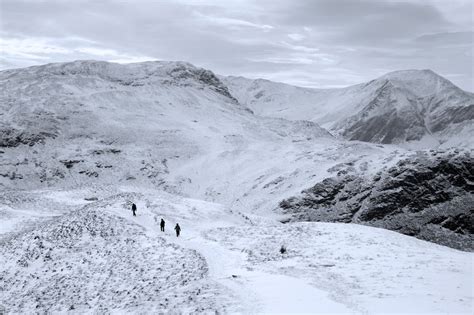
(80, 141)
(168, 125)
(397, 107)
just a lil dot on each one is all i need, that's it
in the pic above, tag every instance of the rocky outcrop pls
(27, 128)
(428, 195)
(184, 71)
(10, 137)
(453, 115)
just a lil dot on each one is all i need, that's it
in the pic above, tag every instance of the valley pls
(245, 166)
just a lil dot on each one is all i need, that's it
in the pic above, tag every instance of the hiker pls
(162, 225)
(134, 209)
(177, 229)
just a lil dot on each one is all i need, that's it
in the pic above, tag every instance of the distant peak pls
(411, 73)
(421, 82)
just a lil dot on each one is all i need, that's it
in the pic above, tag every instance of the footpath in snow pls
(257, 290)
(329, 268)
(100, 257)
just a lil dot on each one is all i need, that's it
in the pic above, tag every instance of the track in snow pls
(100, 257)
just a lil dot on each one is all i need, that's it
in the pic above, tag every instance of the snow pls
(93, 259)
(291, 296)
(167, 137)
(229, 263)
(363, 267)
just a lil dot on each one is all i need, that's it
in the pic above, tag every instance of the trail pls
(257, 290)
(221, 261)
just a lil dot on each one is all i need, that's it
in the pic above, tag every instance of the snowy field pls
(95, 256)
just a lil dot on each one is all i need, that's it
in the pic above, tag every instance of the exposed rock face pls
(454, 115)
(182, 71)
(10, 137)
(27, 126)
(389, 125)
(428, 195)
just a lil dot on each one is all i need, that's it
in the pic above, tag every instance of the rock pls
(70, 163)
(10, 137)
(428, 196)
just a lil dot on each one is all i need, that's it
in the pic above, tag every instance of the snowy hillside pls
(81, 141)
(155, 124)
(400, 106)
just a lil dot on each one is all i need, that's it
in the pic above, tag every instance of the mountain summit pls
(400, 106)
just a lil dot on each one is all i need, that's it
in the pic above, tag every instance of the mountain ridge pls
(400, 106)
(417, 103)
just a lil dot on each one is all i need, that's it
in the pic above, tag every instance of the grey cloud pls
(315, 43)
(367, 21)
(450, 38)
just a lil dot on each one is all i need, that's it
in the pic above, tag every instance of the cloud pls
(362, 20)
(30, 51)
(284, 60)
(231, 22)
(31, 48)
(316, 42)
(296, 37)
(447, 39)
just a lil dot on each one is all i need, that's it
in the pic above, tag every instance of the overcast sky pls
(315, 43)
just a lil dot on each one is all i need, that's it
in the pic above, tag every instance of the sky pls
(312, 43)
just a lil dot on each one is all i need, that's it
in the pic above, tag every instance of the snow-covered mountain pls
(181, 129)
(80, 141)
(133, 121)
(397, 107)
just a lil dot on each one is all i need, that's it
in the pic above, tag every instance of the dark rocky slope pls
(428, 195)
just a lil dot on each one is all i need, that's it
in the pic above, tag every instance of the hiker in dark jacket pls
(134, 209)
(162, 225)
(177, 228)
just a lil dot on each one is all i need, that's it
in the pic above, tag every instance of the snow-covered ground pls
(99, 257)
